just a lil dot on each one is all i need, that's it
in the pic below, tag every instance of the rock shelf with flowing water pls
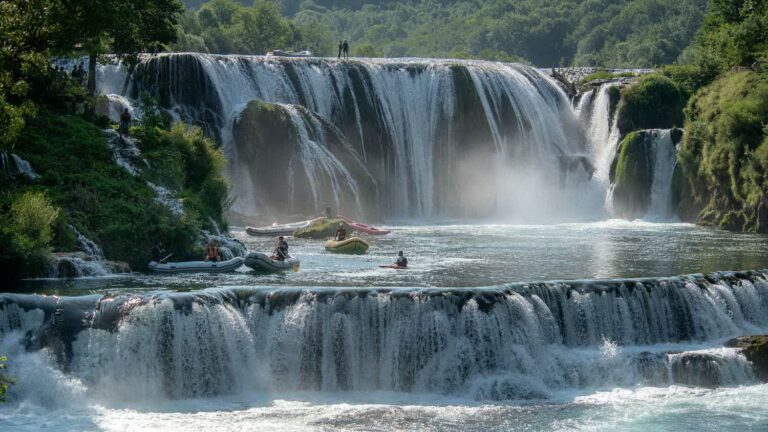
(517, 341)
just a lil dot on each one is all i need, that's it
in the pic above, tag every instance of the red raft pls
(361, 227)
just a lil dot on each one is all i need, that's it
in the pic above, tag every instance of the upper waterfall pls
(437, 137)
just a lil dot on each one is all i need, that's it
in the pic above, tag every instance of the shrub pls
(654, 101)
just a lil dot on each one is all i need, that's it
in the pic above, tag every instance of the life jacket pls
(213, 251)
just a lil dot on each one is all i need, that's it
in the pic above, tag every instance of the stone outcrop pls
(755, 348)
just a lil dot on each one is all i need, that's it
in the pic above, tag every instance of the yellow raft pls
(352, 245)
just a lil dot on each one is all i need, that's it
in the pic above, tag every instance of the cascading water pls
(432, 133)
(522, 341)
(664, 161)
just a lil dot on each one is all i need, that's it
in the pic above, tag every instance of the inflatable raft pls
(361, 227)
(262, 262)
(352, 245)
(197, 266)
(277, 229)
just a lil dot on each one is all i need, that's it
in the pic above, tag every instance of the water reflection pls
(476, 255)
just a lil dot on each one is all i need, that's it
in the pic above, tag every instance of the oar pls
(169, 255)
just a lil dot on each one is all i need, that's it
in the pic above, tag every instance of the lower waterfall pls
(520, 341)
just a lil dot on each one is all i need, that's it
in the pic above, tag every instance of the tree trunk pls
(92, 74)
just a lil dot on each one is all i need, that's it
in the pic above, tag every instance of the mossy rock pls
(653, 102)
(755, 349)
(632, 177)
(733, 221)
(322, 229)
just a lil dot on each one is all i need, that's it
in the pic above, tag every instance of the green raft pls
(352, 245)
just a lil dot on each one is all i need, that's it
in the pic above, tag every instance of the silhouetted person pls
(346, 49)
(402, 261)
(157, 252)
(341, 48)
(125, 122)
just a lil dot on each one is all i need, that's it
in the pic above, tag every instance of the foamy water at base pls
(642, 409)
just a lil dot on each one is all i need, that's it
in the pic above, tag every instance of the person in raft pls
(281, 250)
(341, 233)
(402, 261)
(125, 122)
(212, 252)
(157, 252)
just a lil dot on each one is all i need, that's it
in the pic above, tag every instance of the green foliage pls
(654, 101)
(366, 50)
(724, 153)
(5, 380)
(151, 115)
(110, 206)
(26, 236)
(183, 159)
(228, 27)
(735, 32)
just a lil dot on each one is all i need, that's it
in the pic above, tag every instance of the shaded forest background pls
(608, 33)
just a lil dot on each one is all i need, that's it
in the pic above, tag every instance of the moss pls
(732, 221)
(653, 102)
(724, 151)
(632, 177)
(322, 228)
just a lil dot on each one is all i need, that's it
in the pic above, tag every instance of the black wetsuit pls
(156, 251)
(402, 262)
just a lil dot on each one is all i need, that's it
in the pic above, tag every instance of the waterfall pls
(519, 341)
(316, 160)
(431, 133)
(602, 132)
(664, 161)
(88, 263)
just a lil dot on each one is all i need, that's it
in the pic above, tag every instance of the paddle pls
(163, 259)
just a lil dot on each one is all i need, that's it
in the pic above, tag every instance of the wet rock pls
(755, 349)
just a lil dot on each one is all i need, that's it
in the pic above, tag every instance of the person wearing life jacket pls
(402, 261)
(341, 233)
(212, 252)
(281, 250)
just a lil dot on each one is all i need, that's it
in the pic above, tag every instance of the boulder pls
(322, 228)
(755, 348)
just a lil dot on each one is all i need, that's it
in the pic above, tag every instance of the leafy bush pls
(654, 101)
(25, 239)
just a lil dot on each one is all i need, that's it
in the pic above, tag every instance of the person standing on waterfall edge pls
(346, 49)
(125, 122)
(341, 49)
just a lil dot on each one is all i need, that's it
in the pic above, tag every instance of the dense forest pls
(608, 33)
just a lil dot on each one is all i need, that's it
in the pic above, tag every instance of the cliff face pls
(723, 158)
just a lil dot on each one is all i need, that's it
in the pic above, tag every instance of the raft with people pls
(260, 261)
(352, 246)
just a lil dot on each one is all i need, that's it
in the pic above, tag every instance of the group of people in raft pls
(280, 253)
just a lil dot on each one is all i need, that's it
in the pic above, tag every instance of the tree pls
(124, 28)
